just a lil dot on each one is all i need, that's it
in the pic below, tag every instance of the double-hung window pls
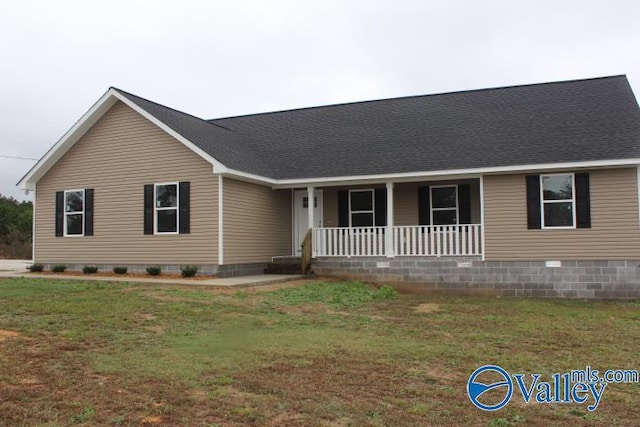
(558, 200)
(444, 205)
(361, 208)
(166, 208)
(74, 213)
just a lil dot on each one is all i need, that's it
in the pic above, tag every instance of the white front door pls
(301, 223)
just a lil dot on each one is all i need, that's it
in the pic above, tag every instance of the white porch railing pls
(418, 240)
(349, 241)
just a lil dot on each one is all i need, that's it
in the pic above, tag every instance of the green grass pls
(334, 354)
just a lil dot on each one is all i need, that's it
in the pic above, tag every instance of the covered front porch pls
(434, 218)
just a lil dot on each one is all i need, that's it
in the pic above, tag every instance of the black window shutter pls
(59, 213)
(583, 201)
(464, 203)
(533, 202)
(148, 209)
(185, 207)
(381, 206)
(343, 208)
(88, 212)
(424, 206)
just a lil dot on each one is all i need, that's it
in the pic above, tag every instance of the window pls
(305, 202)
(361, 208)
(444, 205)
(166, 208)
(74, 213)
(558, 201)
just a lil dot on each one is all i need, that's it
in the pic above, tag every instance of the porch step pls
(292, 259)
(282, 267)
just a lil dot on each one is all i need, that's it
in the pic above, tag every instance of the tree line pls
(16, 226)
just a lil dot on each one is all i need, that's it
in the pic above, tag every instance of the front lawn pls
(333, 354)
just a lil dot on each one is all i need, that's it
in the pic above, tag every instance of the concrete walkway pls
(14, 265)
(18, 268)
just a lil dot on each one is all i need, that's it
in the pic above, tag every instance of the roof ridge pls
(417, 96)
(169, 108)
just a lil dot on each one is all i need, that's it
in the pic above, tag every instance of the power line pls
(17, 157)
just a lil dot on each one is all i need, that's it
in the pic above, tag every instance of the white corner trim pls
(33, 226)
(638, 184)
(220, 220)
(483, 225)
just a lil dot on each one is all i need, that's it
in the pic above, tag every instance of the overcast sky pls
(221, 58)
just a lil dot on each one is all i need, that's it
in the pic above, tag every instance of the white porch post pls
(390, 222)
(310, 206)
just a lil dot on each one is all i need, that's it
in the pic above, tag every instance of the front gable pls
(120, 154)
(112, 98)
(123, 143)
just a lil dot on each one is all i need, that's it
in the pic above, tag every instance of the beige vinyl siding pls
(405, 202)
(614, 232)
(257, 222)
(121, 153)
(330, 207)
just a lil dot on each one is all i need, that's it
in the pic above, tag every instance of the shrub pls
(90, 269)
(154, 270)
(59, 268)
(35, 268)
(385, 292)
(120, 269)
(188, 270)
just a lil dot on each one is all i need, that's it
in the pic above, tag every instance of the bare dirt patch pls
(327, 385)
(150, 421)
(5, 334)
(428, 307)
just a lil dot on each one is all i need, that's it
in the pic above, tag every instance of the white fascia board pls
(247, 177)
(68, 139)
(449, 174)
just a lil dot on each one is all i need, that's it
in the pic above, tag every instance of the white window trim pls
(432, 209)
(64, 208)
(572, 200)
(156, 208)
(373, 206)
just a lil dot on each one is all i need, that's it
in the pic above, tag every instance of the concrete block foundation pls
(618, 279)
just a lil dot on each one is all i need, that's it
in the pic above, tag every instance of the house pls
(527, 190)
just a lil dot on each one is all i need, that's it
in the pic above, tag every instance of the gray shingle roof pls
(573, 121)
